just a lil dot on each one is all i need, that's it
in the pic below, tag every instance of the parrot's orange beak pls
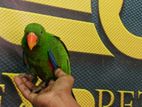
(31, 40)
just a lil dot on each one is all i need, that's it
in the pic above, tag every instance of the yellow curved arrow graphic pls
(121, 38)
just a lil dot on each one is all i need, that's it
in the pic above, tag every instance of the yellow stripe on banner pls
(2, 87)
(84, 97)
(78, 36)
(78, 5)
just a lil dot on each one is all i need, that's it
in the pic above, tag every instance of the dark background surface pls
(91, 71)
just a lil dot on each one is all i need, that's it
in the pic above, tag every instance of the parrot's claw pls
(27, 76)
(38, 88)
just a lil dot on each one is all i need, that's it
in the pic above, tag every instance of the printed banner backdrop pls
(104, 42)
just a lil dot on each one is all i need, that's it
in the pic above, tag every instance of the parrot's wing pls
(62, 44)
(60, 56)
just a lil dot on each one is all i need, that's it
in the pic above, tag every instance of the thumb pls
(59, 73)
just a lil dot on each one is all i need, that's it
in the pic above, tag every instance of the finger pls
(18, 80)
(69, 79)
(28, 83)
(59, 73)
(28, 76)
(50, 85)
(24, 90)
(66, 82)
(21, 86)
(45, 90)
(51, 82)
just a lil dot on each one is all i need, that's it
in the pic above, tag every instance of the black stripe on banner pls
(45, 9)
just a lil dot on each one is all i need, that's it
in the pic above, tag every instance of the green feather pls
(38, 58)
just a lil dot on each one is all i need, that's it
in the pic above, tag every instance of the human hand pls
(57, 94)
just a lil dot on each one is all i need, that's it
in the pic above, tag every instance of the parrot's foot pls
(38, 88)
(27, 76)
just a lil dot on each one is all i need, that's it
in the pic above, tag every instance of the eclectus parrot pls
(44, 52)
